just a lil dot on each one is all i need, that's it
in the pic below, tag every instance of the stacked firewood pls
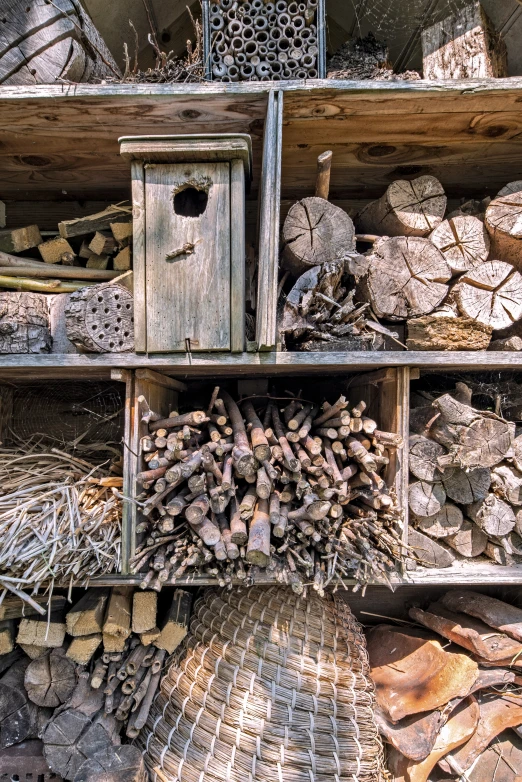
(455, 281)
(97, 669)
(466, 487)
(294, 490)
(449, 711)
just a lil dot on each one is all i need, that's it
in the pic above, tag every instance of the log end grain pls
(144, 611)
(82, 649)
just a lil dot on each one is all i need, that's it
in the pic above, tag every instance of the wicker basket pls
(273, 687)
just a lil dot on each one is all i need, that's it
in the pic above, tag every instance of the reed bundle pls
(273, 686)
(59, 520)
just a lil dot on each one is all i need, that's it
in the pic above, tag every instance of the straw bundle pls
(273, 687)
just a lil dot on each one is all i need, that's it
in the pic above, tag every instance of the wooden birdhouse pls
(188, 197)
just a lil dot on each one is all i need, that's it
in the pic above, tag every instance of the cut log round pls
(504, 223)
(507, 483)
(406, 279)
(413, 208)
(440, 332)
(423, 458)
(24, 323)
(315, 232)
(491, 294)
(426, 499)
(100, 319)
(447, 521)
(466, 487)
(492, 515)
(470, 541)
(51, 679)
(120, 764)
(44, 43)
(463, 241)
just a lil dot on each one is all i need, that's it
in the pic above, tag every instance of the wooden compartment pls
(385, 392)
(480, 569)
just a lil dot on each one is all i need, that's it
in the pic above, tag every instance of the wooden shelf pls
(93, 366)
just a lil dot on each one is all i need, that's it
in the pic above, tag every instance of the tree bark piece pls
(100, 319)
(470, 541)
(426, 499)
(503, 221)
(447, 521)
(463, 241)
(468, 632)
(496, 613)
(17, 240)
(464, 46)
(51, 679)
(423, 458)
(82, 649)
(406, 278)
(144, 611)
(408, 208)
(24, 323)
(491, 294)
(315, 232)
(494, 516)
(175, 625)
(434, 332)
(466, 486)
(429, 552)
(86, 617)
(118, 618)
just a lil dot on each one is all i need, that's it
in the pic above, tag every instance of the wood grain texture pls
(138, 253)
(188, 297)
(237, 256)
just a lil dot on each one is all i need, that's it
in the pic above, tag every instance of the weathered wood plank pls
(138, 253)
(188, 296)
(237, 256)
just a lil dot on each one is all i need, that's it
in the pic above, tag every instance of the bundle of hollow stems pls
(295, 490)
(60, 521)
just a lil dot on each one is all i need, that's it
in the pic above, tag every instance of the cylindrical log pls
(502, 221)
(258, 549)
(493, 515)
(463, 241)
(470, 541)
(491, 294)
(426, 499)
(447, 521)
(407, 208)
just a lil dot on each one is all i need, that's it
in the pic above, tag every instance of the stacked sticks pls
(261, 41)
(296, 491)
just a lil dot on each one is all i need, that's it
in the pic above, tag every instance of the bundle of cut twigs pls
(295, 491)
(59, 520)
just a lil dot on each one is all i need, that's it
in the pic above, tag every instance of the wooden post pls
(322, 182)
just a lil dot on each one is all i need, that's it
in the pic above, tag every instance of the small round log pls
(406, 278)
(423, 458)
(470, 541)
(504, 224)
(447, 521)
(466, 486)
(51, 679)
(426, 499)
(315, 232)
(100, 319)
(507, 483)
(494, 516)
(463, 241)
(413, 208)
(491, 294)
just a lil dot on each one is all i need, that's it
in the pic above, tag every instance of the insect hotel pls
(260, 391)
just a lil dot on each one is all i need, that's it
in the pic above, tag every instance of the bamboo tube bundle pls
(294, 491)
(263, 41)
(59, 519)
(272, 686)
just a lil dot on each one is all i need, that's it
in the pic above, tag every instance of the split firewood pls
(407, 278)
(86, 618)
(175, 625)
(80, 226)
(17, 240)
(40, 632)
(118, 618)
(503, 222)
(57, 251)
(103, 243)
(315, 232)
(408, 208)
(122, 232)
(463, 241)
(144, 610)
(280, 489)
(428, 552)
(491, 294)
(437, 332)
(82, 649)
(51, 679)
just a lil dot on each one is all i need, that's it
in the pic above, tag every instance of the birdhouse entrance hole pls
(190, 202)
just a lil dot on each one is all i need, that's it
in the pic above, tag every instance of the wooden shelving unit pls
(59, 157)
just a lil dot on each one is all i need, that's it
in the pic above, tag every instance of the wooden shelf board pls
(98, 366)
(466, 573)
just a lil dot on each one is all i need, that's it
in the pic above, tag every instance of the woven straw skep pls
(273, 687)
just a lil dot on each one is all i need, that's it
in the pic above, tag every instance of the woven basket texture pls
(273, 687)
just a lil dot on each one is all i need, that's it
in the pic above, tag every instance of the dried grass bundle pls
(59, 520)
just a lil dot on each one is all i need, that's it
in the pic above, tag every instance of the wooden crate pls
(479, 570)
(385, 392)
